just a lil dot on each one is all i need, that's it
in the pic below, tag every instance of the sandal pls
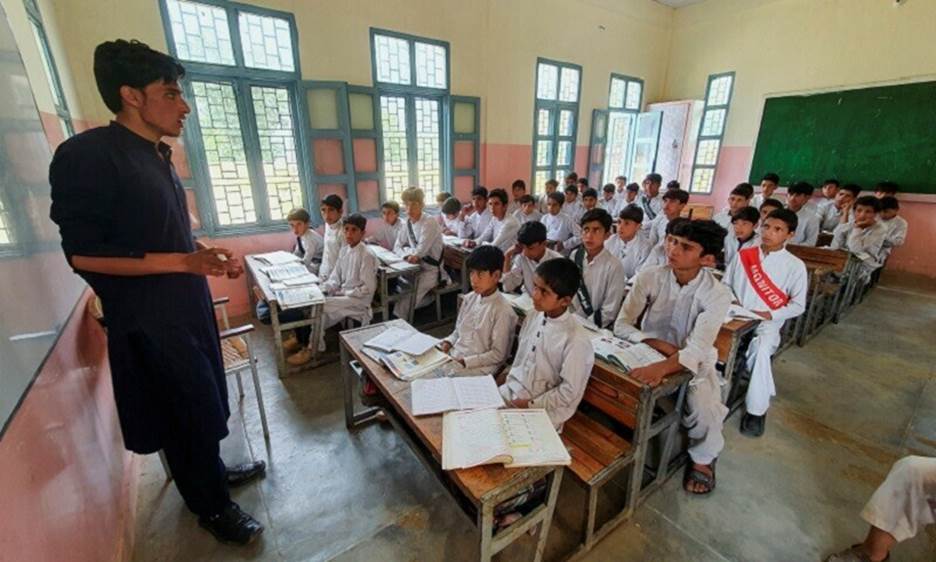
(699, 477)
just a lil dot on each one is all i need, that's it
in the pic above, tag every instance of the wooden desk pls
(384, 274)
(454, 257)
(255, 276)
(476, 490)
(729, 344)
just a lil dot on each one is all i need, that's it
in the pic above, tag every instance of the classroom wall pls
(798, 46)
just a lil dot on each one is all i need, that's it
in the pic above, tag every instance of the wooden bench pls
(829, 271)
(696, 211)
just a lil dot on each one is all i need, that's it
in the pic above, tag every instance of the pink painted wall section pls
(501, 164)
(68, 487)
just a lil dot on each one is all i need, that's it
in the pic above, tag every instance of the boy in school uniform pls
(672, 184)
(502, 229)
(772, 283)
(674, 201)
(517, 190)
(387, 236)
(650, 201)
(521, 261)
(738, 199)
(860, 233)
(896, 225)
(572, 207)
(475, 218)
(829, 190)
(603, 279)
(550, 187)
(570, 180)
(558, 224)
(768, 185)
(309, 243)
(420, 242)
(589, 199)
(830, 215)
(620, 188)
(886, 188)
(484, 329)
(441, 197)
(769, 206)
(527, 212)
(608, 201)
(681, 307)
(349, 289)
(807, 230)
(333, 236)
(451, 221)
(630, 193)
(742, 233)
(555, 356)
(630, 244)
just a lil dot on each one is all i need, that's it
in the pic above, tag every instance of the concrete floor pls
(856, 398)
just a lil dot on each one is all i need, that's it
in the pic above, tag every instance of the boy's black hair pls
(678, 194)
(887, 187)
(333, 201)
(632, 213)
(526, 198)
(498, 193)
(130, 63)
(608, 188)
(531, 232)
(633, 187)
(889, 202)
(583, 181)
(706, 233)
(672, 184)
(869, 201)
(357, 220)
(590, 192)
(518, 183)
(561, 275)
(771, 202)
(451, 206)
(654, 177)
(485, 258)
(552, 182)
(852, 188)
(298, 215)
(557, 197)
(749, 214)
(743, 189)
(571, 189)
(572, 176)
(479, 191)
(597, 215)
(787, 216)
(833, 181)
(801, 188)
(443, 196)
(392, 205)
(620, 178)
(770, 176)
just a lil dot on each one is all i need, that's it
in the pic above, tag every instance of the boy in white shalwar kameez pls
(683, 307)
(604, 282)
(334, 237)
(674, 201)
(630, 243)
(475, 218)
(387, 236)
(772, 283)
(309, 243)
(501, 230)
(807, 230)
(484, 329)
(521, 261)
(742, 233)
(559, 228)
(420, 243)
(896, 225)
(863, 236)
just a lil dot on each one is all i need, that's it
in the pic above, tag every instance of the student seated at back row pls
(475, 218)
(768, 185)
(484, 329)
(521, 261)
(739, 198)
(630, 244)
(896, 225)
(609, 202)
(860, 233)
(769, 206)
(674, 201)
(742, 232)
(451, 211)
(807, 231)
(554, 357)
(527, 211)
(558, 224)
(501, 230)
(680, 307)
(387, 237)
(772, 283)
(831, 213)
(331, 209)
(603, 283)
(420, 243)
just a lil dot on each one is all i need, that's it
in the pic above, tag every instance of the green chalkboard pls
(858, 136)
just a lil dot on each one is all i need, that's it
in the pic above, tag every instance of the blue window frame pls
(555, 120)
(49, 67)
(711, 131)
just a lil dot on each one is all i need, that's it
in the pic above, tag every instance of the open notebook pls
(433, 396)
(624, 355)
(512, 437)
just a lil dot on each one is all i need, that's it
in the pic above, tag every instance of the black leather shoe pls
(753, 426)
(244, 473)
(232, 526)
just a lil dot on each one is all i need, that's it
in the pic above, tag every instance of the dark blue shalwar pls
(115, 194)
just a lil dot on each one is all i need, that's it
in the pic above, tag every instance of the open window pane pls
(568, 89)
(200, 32)
(430, 66)
(392, 57)
(713, 122)
(564, 153)
(274, 114)
(547, 81)
(566, 120)
(634, 91)
(620, 127)
(543, 153)
(543, 122)
(702, 179)
(616, 97)
(707, 152)
(428, 155)
(6, 231)
(720, 91)
(267, 42)
(396, 161)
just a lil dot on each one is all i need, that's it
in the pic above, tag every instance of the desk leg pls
(486, 528)
(347, 376)
(277, 340)
(317, 313)
(384, 295)
(465, 283)
(412, 308)
(555, 481)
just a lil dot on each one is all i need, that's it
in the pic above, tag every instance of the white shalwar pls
(807, 227)
(896, 234)
(867, 244)
(349, 290)
(484, 332)
(551, 368)
(309, 249)
(906, 500)
(632, 253)
(688, 317)
(474, 224)
(788, 273)
(334, 240)
(500, 232)
(733, 245)
(387, 236)
(522, 271)
(606, 282)
(558, 227)
(425, 241)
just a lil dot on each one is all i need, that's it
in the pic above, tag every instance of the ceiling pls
(678, 3)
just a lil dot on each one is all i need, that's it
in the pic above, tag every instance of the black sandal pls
(699, 477)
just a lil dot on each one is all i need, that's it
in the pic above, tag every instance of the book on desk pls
(514, 438)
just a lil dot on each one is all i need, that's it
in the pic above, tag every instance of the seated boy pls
(604, 282)
(349, 290)
(650, 201)
(672, 184)
(589, 199)
(807, 231)
(620, 188)
(772, 283)
(769, 206)
(441, 197)
(739, 198)
(571, 180)
(420, 242)
(501, 230)
(829, 190)
(896, 225)
(886, 188)
(681, 307)
(521, 261)
(476, 217)
(387, 236)
(517, 190)
(830, 215)
(863, 236)
(572, 207)
(630, 245)
(484, 329)
(742, 233)
(309, 243)
(550, 186)
(451, 221)
(527, 211)
(558, 224)
(608, 202)
(768, 184)
(554, 357)
(333, 235)
(674, 201)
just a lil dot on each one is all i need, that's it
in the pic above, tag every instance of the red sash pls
(772, 296)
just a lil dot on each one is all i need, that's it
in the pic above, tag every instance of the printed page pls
(452, 240)
(307, 279)
(521, 302)
(472, 439)
(278, 257)
(477, 393)
(433, 396)
(637, 355)
(417, 343)
(384, 255)
(295, 297)
(737, 311)
(286, 271)
(532, 439)
(389, 339)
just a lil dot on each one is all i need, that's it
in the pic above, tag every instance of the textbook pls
(385, 256)
(307, 279)
(624, 355)
(514, 438)
(407, 367)
(522, 303)
(280, 273)
(295, 297)
(738, 312)
(434, 396)
(452, 240)
(278, 257)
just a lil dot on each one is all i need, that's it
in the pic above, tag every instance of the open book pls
(512, 437)
(294, 297)
(433, 396)
(408, 367)
(385, 256)
(738, 312)
(290, 270)
(278, 257)
(521, 303)
(624, 355)
(452, 240)
(403, 339)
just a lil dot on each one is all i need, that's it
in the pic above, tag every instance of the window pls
(555, 120)
(48, 66)
(411, 75)
(711, 131)
(624, 102)
(241, 75)
(6, 229)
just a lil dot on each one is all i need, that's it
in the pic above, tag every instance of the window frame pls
(720, 137)
(556, 106)
(34, 16)
(629, 149)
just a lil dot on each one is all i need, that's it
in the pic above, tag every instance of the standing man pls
(125, 229)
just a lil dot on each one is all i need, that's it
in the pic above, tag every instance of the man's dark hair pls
(582, 181)
(590, 192)
(632, 187)
(770, 176)
(500, 194)
(678, 194)
(654, 178)
(597, 215)
(852, 188)
(333, 201)
(672, 184)
(608, 188)
(485, 258)
(479, 192)
(526, 198)
(518, 183)
(357, 220)
(552, 182)
(622, 178)
(869, 201)
(888, 187)
(561, 275)
(571, 189)
(801, 188)
(889, 202)
(392, 205)
(632, 213)
(572, 176)
(787, 216)
(749, 214)
(557, 197)
(743, 189)
(771, 202)
(706, 233)
(531, 232)
(130, 63)
(833, 181)
(451, 206)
